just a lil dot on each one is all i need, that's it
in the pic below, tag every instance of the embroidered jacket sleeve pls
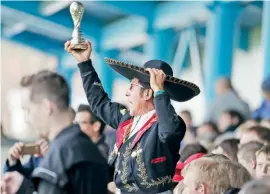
(98, 99)
(170, 124)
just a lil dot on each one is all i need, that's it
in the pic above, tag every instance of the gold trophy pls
(77, 41)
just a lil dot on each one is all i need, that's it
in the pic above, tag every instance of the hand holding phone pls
(14, 153)
(31, 148)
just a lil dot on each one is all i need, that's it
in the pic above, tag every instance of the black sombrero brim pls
(179, 90)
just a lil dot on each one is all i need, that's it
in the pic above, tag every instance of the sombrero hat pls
(179, 90)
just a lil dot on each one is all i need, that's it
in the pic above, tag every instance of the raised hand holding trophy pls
(77, 41)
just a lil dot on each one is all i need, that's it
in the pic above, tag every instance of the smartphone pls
(30, 149)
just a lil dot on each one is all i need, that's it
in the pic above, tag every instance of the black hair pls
(191, 149)
(230, 146)
(234, 113)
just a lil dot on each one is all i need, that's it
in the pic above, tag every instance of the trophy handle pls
(77, 42)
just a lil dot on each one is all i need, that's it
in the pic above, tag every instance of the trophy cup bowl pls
(76, 12)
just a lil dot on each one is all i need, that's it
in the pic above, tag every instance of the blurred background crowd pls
(221, 46)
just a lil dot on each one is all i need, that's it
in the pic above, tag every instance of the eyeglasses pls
(131, 86)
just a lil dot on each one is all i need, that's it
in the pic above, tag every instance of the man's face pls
(134, 97)
(84, 120)
(206, 133)
(189, 181)
(220, 86)
(187, 120)
(36, 114)
(224, 122)
(263, 166)
(248, 137)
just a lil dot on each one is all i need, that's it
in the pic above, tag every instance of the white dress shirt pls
(139, 122)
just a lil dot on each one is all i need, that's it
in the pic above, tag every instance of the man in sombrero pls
(149, 131)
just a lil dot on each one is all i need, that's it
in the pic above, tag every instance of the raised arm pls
(98, 99)
(13, 162)
(170, 124)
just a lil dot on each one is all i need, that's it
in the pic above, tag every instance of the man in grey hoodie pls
(226, 99)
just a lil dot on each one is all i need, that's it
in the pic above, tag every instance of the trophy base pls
(80, 46)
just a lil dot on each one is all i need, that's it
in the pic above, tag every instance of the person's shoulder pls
(72, 146)
(69, 136)
(81, 150)
(71, 139)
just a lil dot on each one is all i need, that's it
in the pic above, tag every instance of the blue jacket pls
(263, 112)
(25, 169)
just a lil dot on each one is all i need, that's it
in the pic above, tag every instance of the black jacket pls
(103, 147)
(25, 169)
(73, 164)
(147, 166)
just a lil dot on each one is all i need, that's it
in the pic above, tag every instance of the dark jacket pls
(73, 164)
(145, 164)
(26, 169)
(103, 147)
